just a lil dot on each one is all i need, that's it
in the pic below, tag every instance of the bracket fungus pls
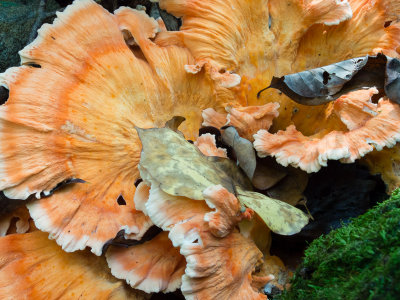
(92, 109)
(370, 126)
(33, 267)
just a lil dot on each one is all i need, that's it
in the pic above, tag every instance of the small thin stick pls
(39, 18)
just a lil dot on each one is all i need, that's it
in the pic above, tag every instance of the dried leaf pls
(290, 189)
(392, 83)
(174, 123)
(180, 169)
(268, 173)
(325, 84)
(243, 148)
(280, 217)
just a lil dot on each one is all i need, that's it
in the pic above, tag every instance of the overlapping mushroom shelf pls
(150, 157)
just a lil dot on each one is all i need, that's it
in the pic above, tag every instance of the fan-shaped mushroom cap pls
(376, 127)
(246, 119)
(216, 268)
(213, 118)
(153, 266)
(207, 146)
(166, 210)
(255, 41)
(227, 212)
(74, 118)
(261, 39)
(356, 108)
(221, 34)
(34, 267)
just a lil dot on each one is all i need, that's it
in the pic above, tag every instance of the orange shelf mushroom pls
(22, 224)
(33, 267)
(306, 38)
(369, 126)
(155, 266)
(207, 145)
(91, 78)
(74, 117)
(246, 119)
(215, 267)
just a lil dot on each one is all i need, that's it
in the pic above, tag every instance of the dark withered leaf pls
(268, 173)
(321, 85)
(290, 189)
(9, 205)
(243, 149)
(392, 83)
(61, 185)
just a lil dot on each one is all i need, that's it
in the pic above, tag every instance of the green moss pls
(358, 261)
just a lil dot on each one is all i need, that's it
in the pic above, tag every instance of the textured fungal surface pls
(33, 267)
(90, 91)
(153, 266)
(152, 156)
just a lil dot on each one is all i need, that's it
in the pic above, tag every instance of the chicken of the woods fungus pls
(92, 81)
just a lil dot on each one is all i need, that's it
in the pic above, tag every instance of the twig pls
(39, 18)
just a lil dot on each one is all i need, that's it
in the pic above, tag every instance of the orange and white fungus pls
(254, 41)
(75, 117)
(33, 267)
(68, 136)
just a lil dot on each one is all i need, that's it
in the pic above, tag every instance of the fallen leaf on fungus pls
(243, 149)
(328, 83)
(290, 189)
(268, 173)
(280, 217)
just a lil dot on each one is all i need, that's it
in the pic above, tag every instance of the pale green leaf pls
(280, 217)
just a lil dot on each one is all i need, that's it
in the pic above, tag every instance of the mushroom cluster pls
(90, 144)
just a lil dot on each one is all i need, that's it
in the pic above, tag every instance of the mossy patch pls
(358, 261)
